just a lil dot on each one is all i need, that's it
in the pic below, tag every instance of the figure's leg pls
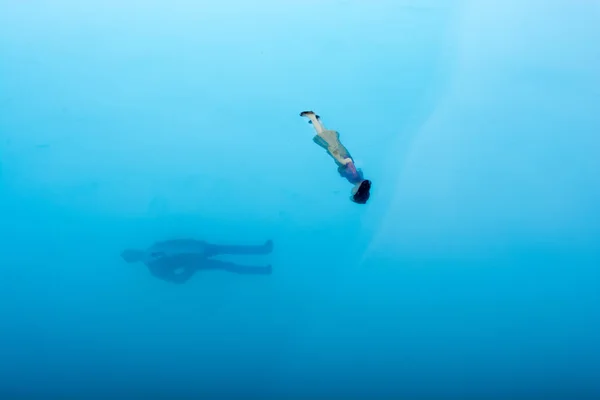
(214, 249)
(236, 268)
(315, 120)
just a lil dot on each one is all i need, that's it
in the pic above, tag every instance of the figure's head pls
(362, 192)
(132, 256)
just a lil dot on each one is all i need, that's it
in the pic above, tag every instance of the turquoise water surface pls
(473, 271)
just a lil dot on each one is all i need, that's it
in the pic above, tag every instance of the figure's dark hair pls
(363, 193)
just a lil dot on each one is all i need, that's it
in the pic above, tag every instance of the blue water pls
(471, 273)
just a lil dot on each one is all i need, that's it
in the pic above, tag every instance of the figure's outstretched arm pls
(336, 154)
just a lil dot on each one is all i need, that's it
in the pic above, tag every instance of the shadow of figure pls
(177, 260)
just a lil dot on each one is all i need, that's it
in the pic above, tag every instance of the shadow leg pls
(236, 268)
(215, 249)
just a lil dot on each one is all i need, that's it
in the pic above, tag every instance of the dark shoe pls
(306, 113)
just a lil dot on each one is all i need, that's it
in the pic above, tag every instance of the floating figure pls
(330, 141)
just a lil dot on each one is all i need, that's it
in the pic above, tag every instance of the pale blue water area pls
(472, 272)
